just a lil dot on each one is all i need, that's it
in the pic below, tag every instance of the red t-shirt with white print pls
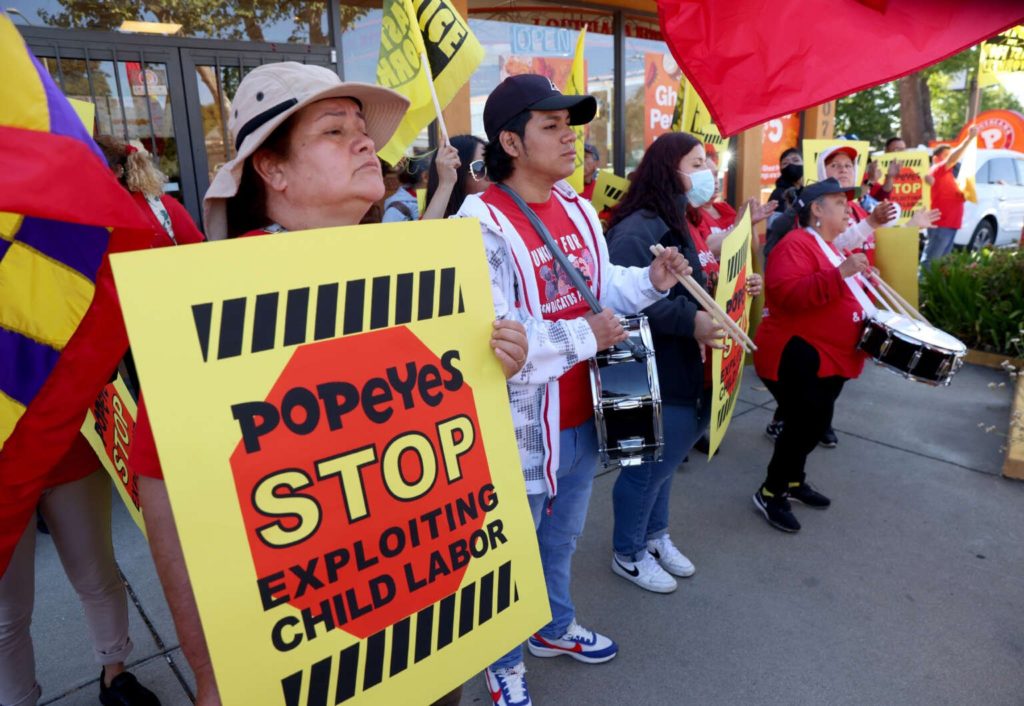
(558, 296)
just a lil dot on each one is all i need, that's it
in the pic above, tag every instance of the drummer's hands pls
(924, 219)
(665, 268)
(882, 214)
(708, 333)
(508, 340)
(755, 285)
(607, 328)
(854, 265)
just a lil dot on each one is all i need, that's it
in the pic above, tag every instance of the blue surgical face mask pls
(702, 187)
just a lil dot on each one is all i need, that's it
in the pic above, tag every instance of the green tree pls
(871, 115)
(930, 104)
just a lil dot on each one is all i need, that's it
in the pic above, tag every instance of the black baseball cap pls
(823, 188)
(518, 94)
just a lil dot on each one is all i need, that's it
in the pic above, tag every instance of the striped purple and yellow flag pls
(61, 335)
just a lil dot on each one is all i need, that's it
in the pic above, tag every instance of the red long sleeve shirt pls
(806, 296)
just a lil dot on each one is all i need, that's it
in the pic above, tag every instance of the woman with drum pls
(807, 341)
(671, 175)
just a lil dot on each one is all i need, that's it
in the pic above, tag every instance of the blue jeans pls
(559, 524)
(940, 244)
(641, 494)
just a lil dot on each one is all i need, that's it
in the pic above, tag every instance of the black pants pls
(808, 401)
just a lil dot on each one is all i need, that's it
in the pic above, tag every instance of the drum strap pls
(851, 282)
(639, 352)
(556, 252)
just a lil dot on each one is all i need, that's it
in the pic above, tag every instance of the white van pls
(998, 217)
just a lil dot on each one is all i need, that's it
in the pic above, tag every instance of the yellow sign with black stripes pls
(338, 449)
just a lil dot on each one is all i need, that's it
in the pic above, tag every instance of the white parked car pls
(998, 217)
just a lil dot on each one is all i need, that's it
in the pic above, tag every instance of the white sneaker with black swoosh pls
(646, 573)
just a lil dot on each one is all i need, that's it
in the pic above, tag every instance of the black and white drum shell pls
(912, 348)
(627, 400)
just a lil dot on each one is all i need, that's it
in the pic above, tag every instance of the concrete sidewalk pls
(908, 590)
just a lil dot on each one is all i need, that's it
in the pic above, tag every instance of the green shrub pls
(977, 297)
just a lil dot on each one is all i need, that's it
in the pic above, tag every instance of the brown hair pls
(247, 209)
(140, 173)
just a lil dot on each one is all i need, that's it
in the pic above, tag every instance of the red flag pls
(61, 333)
(752, 61)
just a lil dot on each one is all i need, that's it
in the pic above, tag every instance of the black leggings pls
(808, 401)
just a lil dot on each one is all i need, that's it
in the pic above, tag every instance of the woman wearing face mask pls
(671, 176)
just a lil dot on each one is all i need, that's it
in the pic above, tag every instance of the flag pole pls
(437, 103)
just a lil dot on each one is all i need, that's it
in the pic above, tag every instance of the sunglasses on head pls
(477, 170)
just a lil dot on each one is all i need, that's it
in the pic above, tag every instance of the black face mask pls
(793, 173)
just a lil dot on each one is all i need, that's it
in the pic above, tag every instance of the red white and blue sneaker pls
(507, 685)
(577, 642)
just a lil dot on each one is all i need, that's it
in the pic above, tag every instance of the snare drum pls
(912, 348)
(627, 400)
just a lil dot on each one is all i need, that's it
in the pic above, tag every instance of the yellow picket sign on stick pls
(411, 30)
(338, 449)
(731, 295)
(109, 428)
(576, 85)
(910, 190)
(1001, 57)
(814, 148)
(609, 189)
(693, 117)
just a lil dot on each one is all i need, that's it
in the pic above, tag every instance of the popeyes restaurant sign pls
(553, 18)
(998, 130)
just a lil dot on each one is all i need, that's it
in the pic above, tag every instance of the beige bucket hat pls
(266, 97)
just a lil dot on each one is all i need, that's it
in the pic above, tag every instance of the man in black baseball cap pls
(518, 94)
(530, 152)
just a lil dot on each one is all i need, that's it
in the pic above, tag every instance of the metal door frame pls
(181, 56)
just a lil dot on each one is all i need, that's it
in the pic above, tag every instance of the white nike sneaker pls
(646, 573)
(670, 558)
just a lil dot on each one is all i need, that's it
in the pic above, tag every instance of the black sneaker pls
(773, 430)
(829, 438)
(777, 511)
(807, 495)
(125, 690)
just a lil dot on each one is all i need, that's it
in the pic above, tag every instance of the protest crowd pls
(635, 281)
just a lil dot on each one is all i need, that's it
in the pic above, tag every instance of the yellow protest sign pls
(731, 295)
(693, 117)
(812, 149)
(109, 428)
(411, 30)
(727, 364)
(1001, 56)
(339, 454)
(421, 200)
(576, 85)
(608, 190)
(909, 189)
(896, 256)
(86, 112)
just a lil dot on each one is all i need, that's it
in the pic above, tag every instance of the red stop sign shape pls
(368, 498)
(907, 189)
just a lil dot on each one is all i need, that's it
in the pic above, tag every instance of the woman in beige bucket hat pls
(306, 157)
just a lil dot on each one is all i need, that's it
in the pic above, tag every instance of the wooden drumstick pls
(711, 307)
(914, 313)
(885, 298)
